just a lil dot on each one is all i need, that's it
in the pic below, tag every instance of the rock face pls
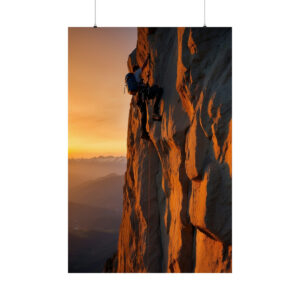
(177, 192)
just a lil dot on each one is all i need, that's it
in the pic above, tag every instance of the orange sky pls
(98, 108)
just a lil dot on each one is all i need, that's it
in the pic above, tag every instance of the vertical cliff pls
(177, 193)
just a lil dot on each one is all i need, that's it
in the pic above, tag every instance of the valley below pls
(95, 211)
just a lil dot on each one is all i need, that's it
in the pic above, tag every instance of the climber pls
(143, 92)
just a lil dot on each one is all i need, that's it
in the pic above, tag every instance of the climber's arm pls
(145, 63)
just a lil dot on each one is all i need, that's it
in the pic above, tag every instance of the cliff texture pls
(177, 192)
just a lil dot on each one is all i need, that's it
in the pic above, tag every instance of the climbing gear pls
(131, 84)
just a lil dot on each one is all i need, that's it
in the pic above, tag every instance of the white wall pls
(33, 158)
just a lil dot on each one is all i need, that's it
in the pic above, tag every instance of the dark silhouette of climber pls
(143, 92)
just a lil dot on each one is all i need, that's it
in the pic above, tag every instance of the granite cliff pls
(177, 192)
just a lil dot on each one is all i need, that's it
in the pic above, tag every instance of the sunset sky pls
(98, 108)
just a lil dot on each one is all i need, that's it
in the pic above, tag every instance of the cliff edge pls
(177, 192)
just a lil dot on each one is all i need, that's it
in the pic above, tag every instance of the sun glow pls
(98, 108)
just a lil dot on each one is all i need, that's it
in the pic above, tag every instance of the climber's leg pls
(142, 106)
(157, 100)
(157, 93)
(144, 120)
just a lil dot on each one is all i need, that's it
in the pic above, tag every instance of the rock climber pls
(143, 92)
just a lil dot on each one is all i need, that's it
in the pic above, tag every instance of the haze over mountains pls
(81, 170)
(95, 208)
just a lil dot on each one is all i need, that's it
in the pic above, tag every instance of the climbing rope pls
(148, 76)
(148, 209)
(148, 187)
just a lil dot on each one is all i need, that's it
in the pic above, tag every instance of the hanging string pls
(204, 16)
(95, 25)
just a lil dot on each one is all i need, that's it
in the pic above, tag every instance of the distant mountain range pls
(95, 209)
(101, 158)
(81, 170)
(104, 192)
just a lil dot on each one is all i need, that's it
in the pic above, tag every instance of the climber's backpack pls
(132, 85)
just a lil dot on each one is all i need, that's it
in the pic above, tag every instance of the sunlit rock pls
(177, 192)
